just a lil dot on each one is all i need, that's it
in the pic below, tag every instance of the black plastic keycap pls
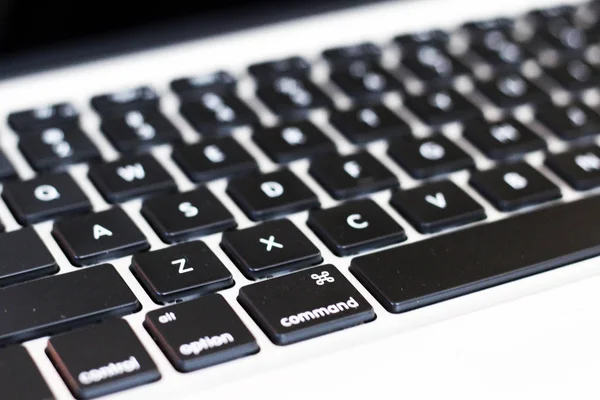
(441, 107)
(24, 257)
(270, 248)
(364, 124)
(101, 359)
(131, 177)
(214, 158)
(91, 238)
(289, 142)
(137, 130)
(447, 266)
(56, 147)
(342, 56)
(429, 157)
(292, 98)
(35, 119)
(44, 197)
(194, 86)
(511, 90)
(48, 305)
(19, 376)
(125, 100)
(355, 226)
(507, 138)
(305, 304)
(352, 175)
(572, 122)
(409, 43)
(436, 206)
(180, 272)
(268, 70)
(263, 196)
(217, 114)
(181, 216)
(513, 186)
(580, 167)
(433, 65)
(364, 82)
(574, 75)
(200, 333)
(7, 171)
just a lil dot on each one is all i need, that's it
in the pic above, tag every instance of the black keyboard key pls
(574, 75)
(270, 248)
(352, 175)
(436, 206)
(57, 147)
(195, 86)
(19, 376)
(410, 43)
(35, 119)
(433, 65)
(292, 98)
(562, 36)
(476, 30)
(130, 177)
(429, 157)
(486, 255)
(214, 158)
(365, 124)
(139, 129)
(441, 107)
(263, 196)
(55, 303)
(572, 122)
(513, 186)
(200, 333)
(44, 197)
(342, 56)
(511, 90)
(180, 272)
(92, 238)
(503, 139)
(101, 359)
(354, 227)
(579, 167)
(285, 143)
(24, 257)
(7, 171)
(126, 100)
(284, 311)
(291, 66)
(497, 49)
(217, 114)
(182, 216)
(364, 82)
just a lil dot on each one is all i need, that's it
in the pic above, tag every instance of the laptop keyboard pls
(295, 298)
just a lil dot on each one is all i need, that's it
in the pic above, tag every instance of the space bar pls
(49, 305)
(464, 261)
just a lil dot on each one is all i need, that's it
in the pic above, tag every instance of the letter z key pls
(305, 304)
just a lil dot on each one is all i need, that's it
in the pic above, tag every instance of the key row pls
(264, 250)
(263, 196)
(107, 357)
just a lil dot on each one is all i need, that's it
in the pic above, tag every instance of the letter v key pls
(438, 200)
(182, 268)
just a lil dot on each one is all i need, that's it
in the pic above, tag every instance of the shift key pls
(305, 304)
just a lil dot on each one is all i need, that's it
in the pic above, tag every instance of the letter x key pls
(246, 247)
(271, 243)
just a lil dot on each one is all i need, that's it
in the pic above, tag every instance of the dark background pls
(36, 34)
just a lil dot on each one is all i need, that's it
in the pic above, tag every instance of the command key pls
(305, 304)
